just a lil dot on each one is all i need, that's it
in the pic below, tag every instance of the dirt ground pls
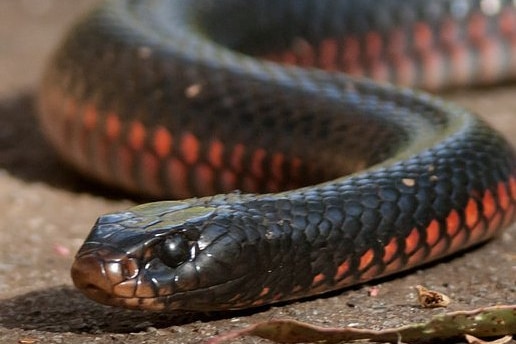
(46, 210)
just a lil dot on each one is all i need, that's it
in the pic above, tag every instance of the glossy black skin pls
(422, 160)
(243, 244)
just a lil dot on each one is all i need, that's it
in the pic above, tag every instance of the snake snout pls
(102, 280)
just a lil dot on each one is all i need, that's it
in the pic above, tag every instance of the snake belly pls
(342, 179)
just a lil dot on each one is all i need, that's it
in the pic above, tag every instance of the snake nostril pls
(88, 272)
(129, 268)
(121, 270)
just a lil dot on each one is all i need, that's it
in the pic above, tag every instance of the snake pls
(287, 146)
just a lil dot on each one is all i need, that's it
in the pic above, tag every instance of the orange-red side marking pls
(113, 127)
(215, 152)
(90, 117)
(390, 250)
(190, 148)
(136, 135)
(342, 269)
(264, 291)
(471, 213)
(453, 223)
(277, 163)
(433, 233)
(411, 241)
(366, 259)
(489, 204)
(162, 142)
(423, 37)
(318, 279)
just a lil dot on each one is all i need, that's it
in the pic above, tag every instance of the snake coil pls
(359, 179)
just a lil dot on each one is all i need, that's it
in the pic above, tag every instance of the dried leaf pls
(482, 322)
(431, 298)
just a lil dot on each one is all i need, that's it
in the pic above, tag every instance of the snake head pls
(148, 257)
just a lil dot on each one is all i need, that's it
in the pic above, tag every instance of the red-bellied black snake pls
(181, 98)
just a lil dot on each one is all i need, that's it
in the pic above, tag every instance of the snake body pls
(342, 179)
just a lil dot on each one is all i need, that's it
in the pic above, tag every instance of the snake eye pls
(174, 251)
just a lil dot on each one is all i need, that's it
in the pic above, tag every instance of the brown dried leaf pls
(482, 322)
(431, 298)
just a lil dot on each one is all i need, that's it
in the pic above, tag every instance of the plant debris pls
(430, 298)
(483, 322)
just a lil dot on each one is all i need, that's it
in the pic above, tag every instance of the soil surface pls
(46, 210)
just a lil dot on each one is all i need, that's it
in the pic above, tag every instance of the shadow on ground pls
(63, 309)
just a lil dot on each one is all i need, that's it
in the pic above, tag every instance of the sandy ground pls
(46, 210)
